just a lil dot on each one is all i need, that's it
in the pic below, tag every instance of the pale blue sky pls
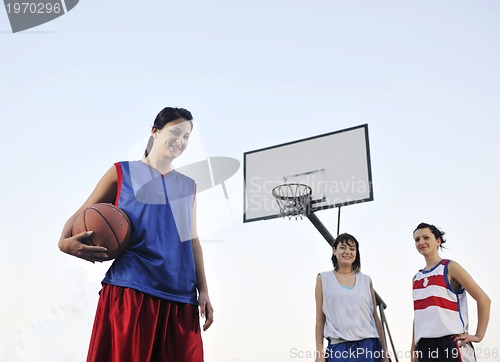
(81, 92)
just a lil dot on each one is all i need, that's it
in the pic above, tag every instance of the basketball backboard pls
(335, 165)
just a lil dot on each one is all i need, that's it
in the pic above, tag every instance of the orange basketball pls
(110, 225)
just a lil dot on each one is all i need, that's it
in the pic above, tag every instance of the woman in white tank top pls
(346, 313)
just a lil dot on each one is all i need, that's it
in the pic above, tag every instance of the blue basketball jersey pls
(159, 259)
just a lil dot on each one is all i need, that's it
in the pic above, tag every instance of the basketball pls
(110, 225)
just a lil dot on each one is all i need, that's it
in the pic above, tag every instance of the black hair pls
(438, 234)
(346, 239)
(166, 115)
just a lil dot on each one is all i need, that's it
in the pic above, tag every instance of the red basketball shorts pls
(131, 326)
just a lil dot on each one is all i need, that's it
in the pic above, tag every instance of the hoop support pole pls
(338, 223)
(321, 228)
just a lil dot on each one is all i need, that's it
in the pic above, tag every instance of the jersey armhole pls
(119, 181)
(448, 284)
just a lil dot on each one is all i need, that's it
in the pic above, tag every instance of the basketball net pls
(293, 200)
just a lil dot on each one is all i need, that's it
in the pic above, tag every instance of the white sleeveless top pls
(348, 311)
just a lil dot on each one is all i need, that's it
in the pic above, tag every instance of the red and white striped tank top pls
(439, 309)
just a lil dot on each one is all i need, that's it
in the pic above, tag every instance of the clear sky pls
(81, 92)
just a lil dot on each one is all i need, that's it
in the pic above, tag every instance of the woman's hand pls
(464, 338)
(75, 246)
(206, 310)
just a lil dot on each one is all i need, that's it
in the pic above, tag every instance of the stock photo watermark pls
(25, 15)
(363, 353)
(259, 194)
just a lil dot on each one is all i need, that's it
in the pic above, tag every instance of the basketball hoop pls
(293, 200)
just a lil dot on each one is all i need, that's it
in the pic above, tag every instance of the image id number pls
(33, 8)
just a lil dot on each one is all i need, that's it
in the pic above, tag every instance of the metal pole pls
(321, 228)
(385, 326)
(338, 223)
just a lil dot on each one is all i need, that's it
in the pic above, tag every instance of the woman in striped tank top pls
(440, 325)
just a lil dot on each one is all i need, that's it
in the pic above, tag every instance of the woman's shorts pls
(365, 350)
(131, 326)
(443, 349)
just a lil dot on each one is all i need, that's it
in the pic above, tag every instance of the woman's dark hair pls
(347, 239)
(438, 234)
(166, 115)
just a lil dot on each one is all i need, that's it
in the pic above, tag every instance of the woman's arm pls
(413, 348)
(206, 308)
(105, 191)
(378, 324)
(320, 320)
(458, 274)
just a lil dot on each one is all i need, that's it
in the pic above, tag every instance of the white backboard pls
(335, 165)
